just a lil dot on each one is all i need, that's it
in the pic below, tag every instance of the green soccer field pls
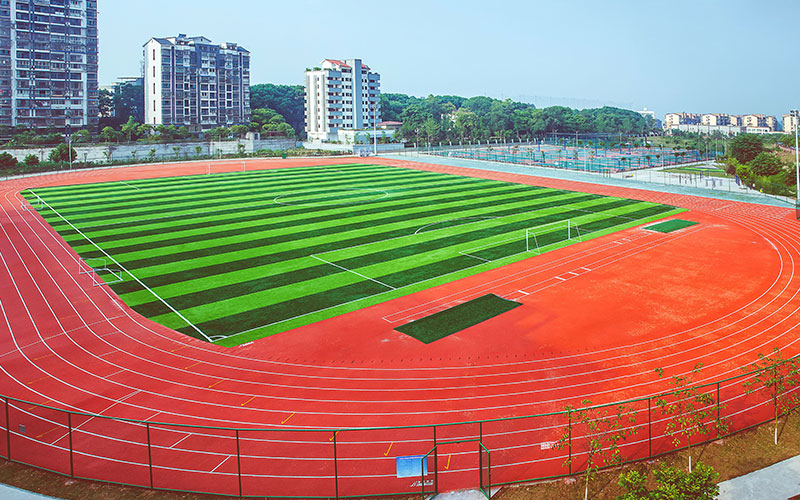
(231, 258)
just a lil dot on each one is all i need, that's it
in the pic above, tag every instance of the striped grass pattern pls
(235, 257)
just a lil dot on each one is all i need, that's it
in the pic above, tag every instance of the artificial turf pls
(249, 254)
(670, 225)
(457, 318)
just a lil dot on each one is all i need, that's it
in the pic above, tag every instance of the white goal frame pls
(532, 243)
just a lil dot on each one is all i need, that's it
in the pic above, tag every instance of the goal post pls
(539, 237)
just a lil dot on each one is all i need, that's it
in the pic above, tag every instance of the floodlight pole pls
(375, 128)
(796, 116)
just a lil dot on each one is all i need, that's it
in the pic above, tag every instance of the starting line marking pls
(287, 418)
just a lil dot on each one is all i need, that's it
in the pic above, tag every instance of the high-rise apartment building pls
(341, 95)
(789, 123)
(189, 81)
(48, 63)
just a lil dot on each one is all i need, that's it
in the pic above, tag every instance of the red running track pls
(597, 319)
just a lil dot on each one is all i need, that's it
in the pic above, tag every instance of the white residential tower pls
(341, 95)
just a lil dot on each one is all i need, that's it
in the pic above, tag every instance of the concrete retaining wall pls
(142, 151)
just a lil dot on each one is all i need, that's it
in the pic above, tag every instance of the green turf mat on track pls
(441, 324)
(670, 225)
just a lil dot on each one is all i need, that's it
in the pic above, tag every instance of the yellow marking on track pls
(42, 357)
(334, 435)
(390, 449)
(38, 379)
(215, 383)
(178, 348)
(252, 398)
(287, 418)
(46, 432)
(193, 364)
(448, 462)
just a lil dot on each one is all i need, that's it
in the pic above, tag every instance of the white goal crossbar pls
(532, 235)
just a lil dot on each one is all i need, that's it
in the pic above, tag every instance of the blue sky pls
(730, 56)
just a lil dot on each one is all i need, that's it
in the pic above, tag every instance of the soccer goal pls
(33, 205)
(94, 267)
(536, 238)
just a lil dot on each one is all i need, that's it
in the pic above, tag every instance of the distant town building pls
(789, 123)
(715, 119)
(189, 81)
(720, 122)
(672, 120)
(340, 96)
(48, 63)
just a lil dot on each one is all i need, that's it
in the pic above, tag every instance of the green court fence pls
(340, 463)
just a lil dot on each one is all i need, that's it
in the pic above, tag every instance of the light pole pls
(375, 128)
(796, 116)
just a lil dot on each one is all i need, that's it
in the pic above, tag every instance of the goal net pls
(539, 237)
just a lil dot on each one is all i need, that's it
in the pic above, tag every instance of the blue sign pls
(410, 466)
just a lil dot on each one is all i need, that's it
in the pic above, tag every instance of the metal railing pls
(339, 463)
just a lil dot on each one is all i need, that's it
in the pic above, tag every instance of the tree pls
(108, 134)
(81, 135)
(31, 160)
(286, 100)
(130, 129)
(63, 153)
(777, 377)
(106, 103)
(239, 130)
(690, 410)
(7, 160)
(671, 484)
(144, 130)
(600, 430)
(128, 102)
(765, 164)
(745, 147)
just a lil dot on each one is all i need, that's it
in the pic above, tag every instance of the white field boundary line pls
(266, 204)
(477, 290)
(483, 261)
(511, 279)
(59, 243)
(351, 271)
(122, 268)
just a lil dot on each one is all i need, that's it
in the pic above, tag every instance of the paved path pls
(11, 493)
(776, 482)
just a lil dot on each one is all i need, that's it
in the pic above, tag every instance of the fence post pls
(69, 432)
(149, 454)
(718, 409)
(8, 432)
(239, 462)
(569, 429)
(335, 465)
(650, 425)
(435, 462)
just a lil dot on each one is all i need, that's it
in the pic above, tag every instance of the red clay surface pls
(597, 319)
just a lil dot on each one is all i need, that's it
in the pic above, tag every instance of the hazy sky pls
(726, 56)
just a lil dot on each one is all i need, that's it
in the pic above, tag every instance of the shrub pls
(7, 161)
(31, 160)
